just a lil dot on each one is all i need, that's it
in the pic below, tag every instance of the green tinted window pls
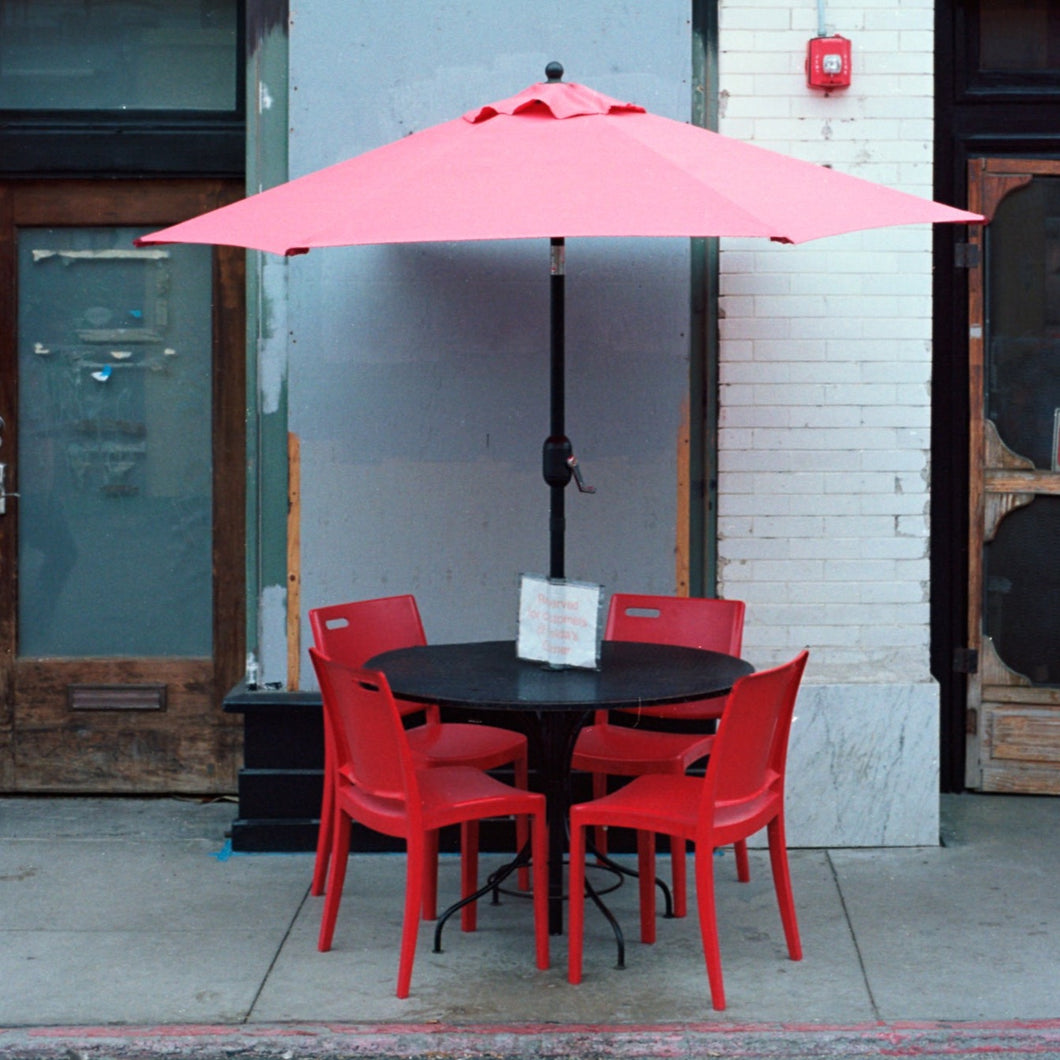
(118, 55)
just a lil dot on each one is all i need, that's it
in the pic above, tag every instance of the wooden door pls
(1014, 539)
(122, 533)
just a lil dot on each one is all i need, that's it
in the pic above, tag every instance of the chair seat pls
(451, 793)
(670, 804)
(465, 744)
(620, 751)
(448, 795)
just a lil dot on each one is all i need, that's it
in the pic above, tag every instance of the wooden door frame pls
(153, 203)
(1012, 481)
(1015, 118)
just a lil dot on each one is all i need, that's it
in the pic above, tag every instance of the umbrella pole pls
(557, 449)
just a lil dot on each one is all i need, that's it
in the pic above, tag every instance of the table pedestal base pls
(554, 734)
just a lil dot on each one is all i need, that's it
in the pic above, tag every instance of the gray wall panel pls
(419, 374)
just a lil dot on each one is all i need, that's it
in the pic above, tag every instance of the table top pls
(489, 674)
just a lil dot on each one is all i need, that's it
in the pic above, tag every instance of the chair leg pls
(339, 855)
(778, 859)
(540, 885)
(679, 872)
(469, 873)
(576, 926)
(600, 832)
(430, 877)
(416, 868)
(646, 884)
(743, 865)
(708, 925)
(522, 824)
(327, 812)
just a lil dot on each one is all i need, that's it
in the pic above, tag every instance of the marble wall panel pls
(863, 766)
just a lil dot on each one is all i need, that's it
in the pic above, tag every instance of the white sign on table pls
(559, 622)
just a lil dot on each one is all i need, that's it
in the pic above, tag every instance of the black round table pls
(488, 675)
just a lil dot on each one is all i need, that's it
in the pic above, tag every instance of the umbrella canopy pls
(557, 160)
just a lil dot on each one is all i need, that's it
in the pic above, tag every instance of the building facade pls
(764, 422)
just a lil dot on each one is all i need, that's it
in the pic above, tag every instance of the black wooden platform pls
(282, 778)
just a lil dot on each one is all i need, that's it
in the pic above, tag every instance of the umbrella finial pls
(554, 72)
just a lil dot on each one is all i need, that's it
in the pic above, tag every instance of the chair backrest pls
(371, 747)
(749, 756)
(688, 621)
(352, 633)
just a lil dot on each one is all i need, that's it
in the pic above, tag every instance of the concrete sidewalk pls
(127, 928)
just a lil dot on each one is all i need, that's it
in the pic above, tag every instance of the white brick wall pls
(825, 355)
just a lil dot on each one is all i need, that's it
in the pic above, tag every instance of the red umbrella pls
(558, 160)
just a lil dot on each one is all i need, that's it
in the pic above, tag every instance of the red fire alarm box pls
(828, 62)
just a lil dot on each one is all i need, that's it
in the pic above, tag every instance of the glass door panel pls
(1023, 317)
(1022, 396)
(1022, 583)
(115, 514)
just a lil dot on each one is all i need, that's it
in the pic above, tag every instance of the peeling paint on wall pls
(273, 627)
(263, 17)
(272, 338)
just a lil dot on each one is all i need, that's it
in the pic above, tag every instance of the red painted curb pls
(1011, 1040)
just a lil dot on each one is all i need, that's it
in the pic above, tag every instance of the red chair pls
(355, 632)
(607, 750)
(741, 793)
(380, 785)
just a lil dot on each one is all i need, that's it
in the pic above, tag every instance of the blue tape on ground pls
(225, 852)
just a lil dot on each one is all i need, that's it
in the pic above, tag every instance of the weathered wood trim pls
(229, 465)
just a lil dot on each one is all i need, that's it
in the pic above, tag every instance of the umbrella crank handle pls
(559, 464)
(572, 463)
